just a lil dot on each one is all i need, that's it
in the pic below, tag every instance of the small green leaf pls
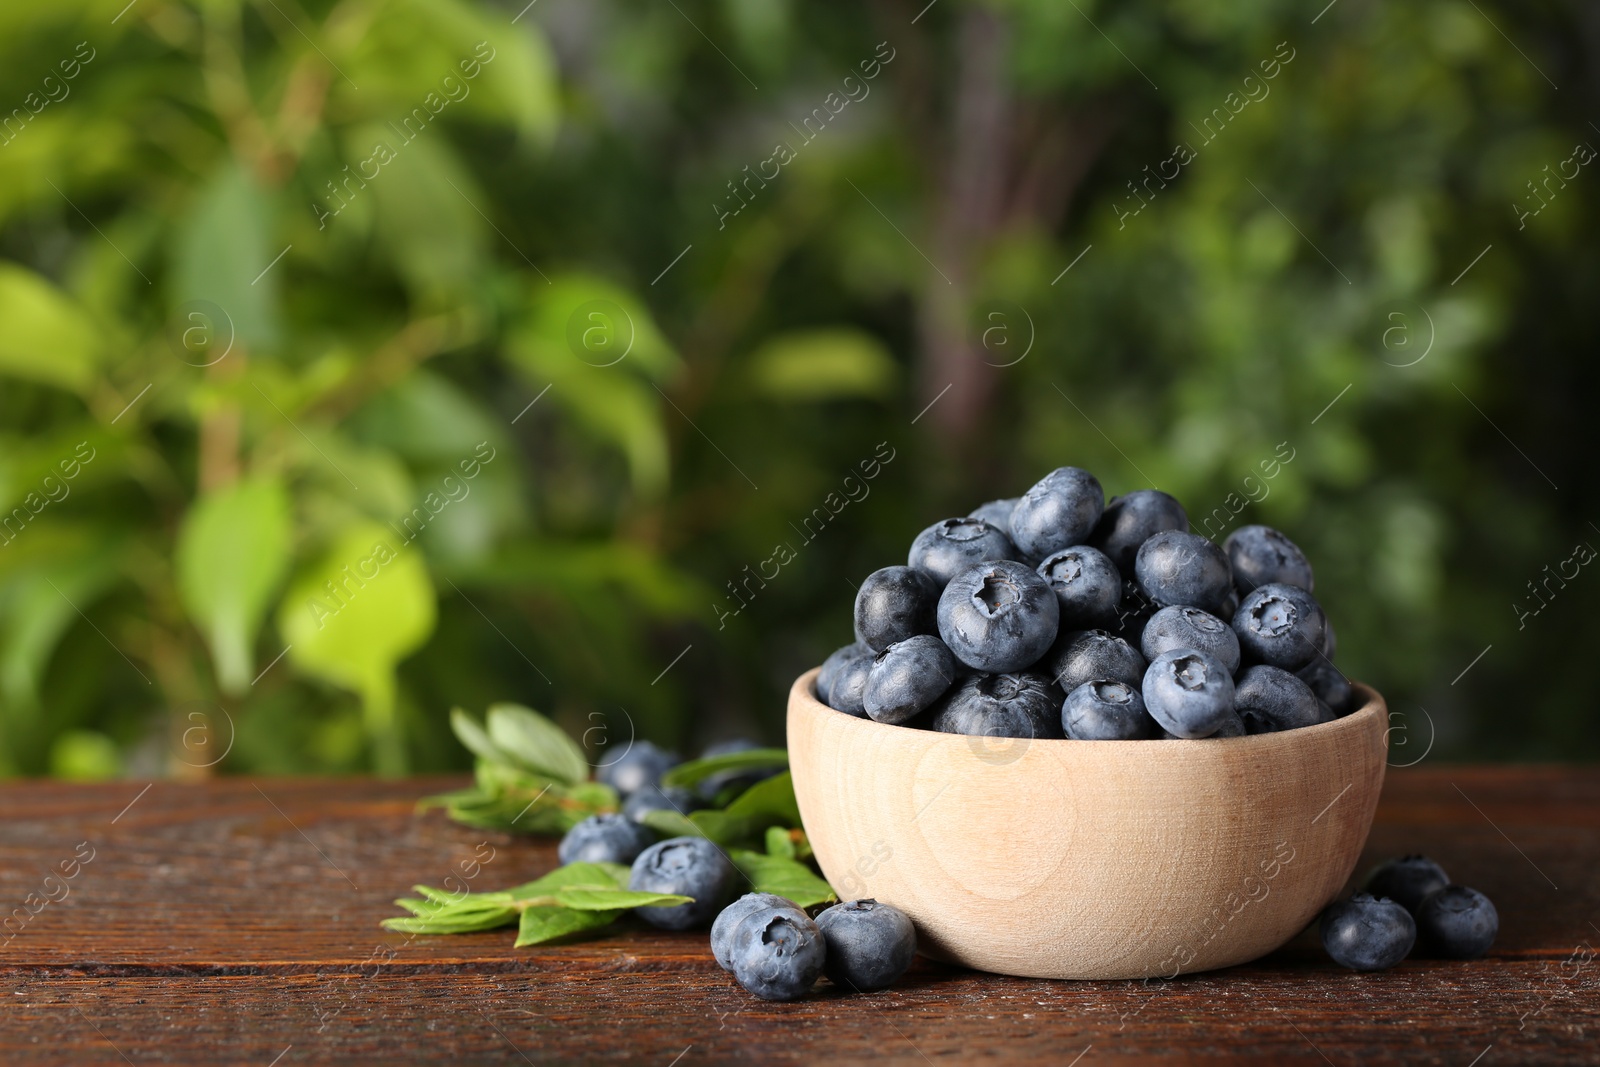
(766, 804)
(785, 877)
(779, 843)
(823, 364)
(536, 743)
(692, 773)
(221, 250)
(473, 738)
(672, 824)
(585, 898)
(542, 924)
(48, 337)
(572, 874)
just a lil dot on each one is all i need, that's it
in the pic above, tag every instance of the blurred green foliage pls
(458, 353)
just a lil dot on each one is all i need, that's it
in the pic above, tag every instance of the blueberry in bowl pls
(1087, 586)
(998, 616)
(946, 548)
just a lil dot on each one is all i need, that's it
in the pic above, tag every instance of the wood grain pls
(211, 926)
(1088, 859)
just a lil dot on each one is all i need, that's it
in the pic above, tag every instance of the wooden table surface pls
(237, 922)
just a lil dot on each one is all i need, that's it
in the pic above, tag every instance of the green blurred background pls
(586, 354)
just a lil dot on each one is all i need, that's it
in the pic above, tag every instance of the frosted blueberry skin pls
(1232, 726)
(1080, 656)
(1177, 568)
(1001, 705)
(951, 546)
(1132, 519)
(1367, 933)
(1087, 586)
(1407, 880)
(1059, 511)
(605, 838)
(870, 944)
(895, 603)
(848, 693)
(1330, 685)
(1270, 699)
(996, 513)
(1261, 556)
(907, 677)
(1280, 625)
(639, 764)
(1107, 710)
(778, 953)
(692, 867)
(834, 664)
(1456, 923)
(722, 940)
(1185, 627)
(998, 616)
(1189, 693)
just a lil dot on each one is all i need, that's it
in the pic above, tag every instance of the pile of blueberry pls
(776, 951)
(1056, 614)
(1408, 903)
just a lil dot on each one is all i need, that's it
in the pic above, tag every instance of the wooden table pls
(237, 922)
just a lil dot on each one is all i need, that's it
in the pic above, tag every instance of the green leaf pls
(537, 743)
(672, 824)
(785, 877)
(823, 364)
(692, 773)
(222, 248)
(233, 550)
(542, 924)
(426, 221)
(779, 843)
(47, 337)
(604, 875)
(584, 898)
(473, 737)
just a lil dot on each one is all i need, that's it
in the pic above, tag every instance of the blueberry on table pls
(848, 693)
(1185, 627)
(608, 838)
(1174, 567)
(778, 953)
(728, 920)
(1270, 699)
(1188, 692)
(1060, 511)
(1132, 519)
(835, 663)
(998, 616)
(950, 546)
(895, 603)
(1367, 933)
(1281, 625)
(870, 944)
(1457, 923)
(692, 867)
(658, 798)
(996, 513)
(1091, 655)
(1261, 555)
(1001, 705)
(907, 677)
(638, 765)
(1330, 685)
(1107, 710)
(1407, 880)
(1087, 586)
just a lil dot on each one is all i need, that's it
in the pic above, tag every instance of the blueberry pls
(834, 664)
(1091, 655)
(1270, 699)
(1367, 933)
(1174, 567)
(1457, 923)
(1280, 625)
(1058, 512)
(1181, 627)
(638, 765)
(1132, 519)
(1262, 556)
(849, 690)
(895, 603)
(998, 616)
(778, 953)
(691, 866)
(604, 839)
(1188, 692)
(1330, 643)
(1232, 726)
(1087, 586)
(996, 513)
(949, 547)
(659, 798)
(870, 945)
(1407, 880)
(1330, 685)
(1135, 613)
(1001, 705)
(908, 676)
(728, 920)
(1105, 710)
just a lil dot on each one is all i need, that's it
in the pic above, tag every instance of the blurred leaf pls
(426, 218)
(785, 877)
(779, 843)
(222, 249)
(46, 337)
(671, 823)
(85, 756)
(537, 743)
(232, 552)
(470, 734)
(692, 773)
(823, 364)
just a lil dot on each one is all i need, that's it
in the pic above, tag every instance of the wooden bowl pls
(1088, 859)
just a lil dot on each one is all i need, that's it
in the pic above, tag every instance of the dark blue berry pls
(1270, 699)
(1107, 711)
(998, 616)
(778, 953)
(604, 839)
(1367, 933)
(1188, 692)
(949, 547)
(1457, 923)
(1183, 627)
(834, 664)
(1281, 625)
(848, 693)
(1330, 685)
(996, 513)
(907, 677)
(870, 945)
(1132, 519)
(1261, 555)
(1180, 568)
(1001, 705)
(692, 867)
(1060, 511)
(895, 603)
(1407, 880)
(638, 764)
(1087, 586)
(1091, 655)
(728, 920)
